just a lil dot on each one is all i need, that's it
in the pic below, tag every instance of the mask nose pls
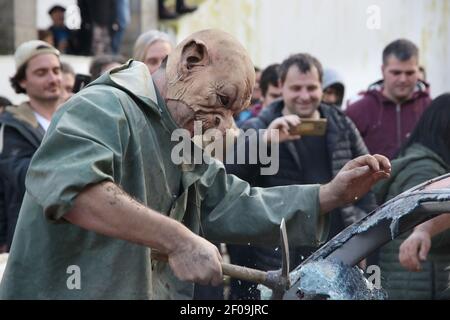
(223, 123)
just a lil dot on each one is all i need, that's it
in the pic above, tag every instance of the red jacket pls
(384, 125)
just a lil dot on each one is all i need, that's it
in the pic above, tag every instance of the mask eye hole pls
(192, 62)
(224, 100)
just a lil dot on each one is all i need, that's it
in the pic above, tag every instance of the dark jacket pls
(417, 165)
(20, 136)
(384, 125)
(344, 143)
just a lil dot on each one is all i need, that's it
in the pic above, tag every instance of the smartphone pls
(81, 81)
(310, 127)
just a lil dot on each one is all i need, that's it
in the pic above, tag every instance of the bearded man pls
(103, 190)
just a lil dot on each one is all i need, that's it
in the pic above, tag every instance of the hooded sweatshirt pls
(383, 124)
(333, 78)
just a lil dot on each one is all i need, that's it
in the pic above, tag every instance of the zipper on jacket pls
(399, 125)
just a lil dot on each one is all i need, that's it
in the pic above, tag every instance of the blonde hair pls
(145, 40)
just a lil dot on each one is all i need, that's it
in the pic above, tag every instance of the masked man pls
(103, 189)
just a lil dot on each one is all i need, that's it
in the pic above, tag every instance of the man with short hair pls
(270, 89)
(309, 160)
(4, 102)
(22, 128)
(388, 112)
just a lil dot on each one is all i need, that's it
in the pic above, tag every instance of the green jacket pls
(118, 129)
(417, 165)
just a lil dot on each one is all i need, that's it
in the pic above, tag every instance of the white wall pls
(335, 31)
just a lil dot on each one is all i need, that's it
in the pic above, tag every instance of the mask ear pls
(194, 55)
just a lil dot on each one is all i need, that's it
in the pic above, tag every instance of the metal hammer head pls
(279, 280)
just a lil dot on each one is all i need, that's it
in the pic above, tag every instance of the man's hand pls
(3, 248)
(416, 247)
(353, 181)
(197, 260)
(414, 250)
(278, 130)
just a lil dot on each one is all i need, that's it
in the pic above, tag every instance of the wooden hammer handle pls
(243, 273)
(234, 271)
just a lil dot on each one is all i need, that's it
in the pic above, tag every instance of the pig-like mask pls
(211, 77)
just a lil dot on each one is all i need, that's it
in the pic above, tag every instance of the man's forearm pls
(106, 209)
(328, 200)
(435, 225)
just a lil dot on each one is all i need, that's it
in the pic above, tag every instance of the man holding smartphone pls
(308, 159)
(22, 128)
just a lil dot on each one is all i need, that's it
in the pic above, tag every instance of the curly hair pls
(18, 77)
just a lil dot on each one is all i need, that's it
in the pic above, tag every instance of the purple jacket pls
(384, 125)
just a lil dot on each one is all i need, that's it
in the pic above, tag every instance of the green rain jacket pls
(418, 164)
(118, 129)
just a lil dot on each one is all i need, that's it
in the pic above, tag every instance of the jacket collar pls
(376, 89)
(275, 110)
(23, 113)
(135, 79)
